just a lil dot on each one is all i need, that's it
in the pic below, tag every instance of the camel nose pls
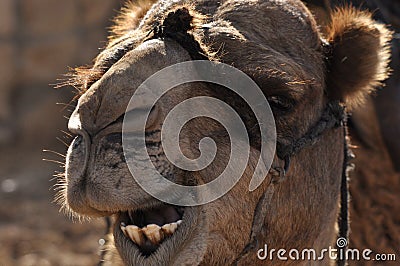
(82, 144)
(83, 138)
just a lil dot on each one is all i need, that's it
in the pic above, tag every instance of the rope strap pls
(332, 117)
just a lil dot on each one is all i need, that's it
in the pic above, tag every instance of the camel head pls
(278, 45)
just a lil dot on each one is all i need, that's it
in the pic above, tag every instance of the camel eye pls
(280, 103)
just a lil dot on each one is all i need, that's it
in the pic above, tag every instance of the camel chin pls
(278, 45)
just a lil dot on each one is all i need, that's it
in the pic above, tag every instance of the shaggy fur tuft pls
(360, 55)
(129, 17)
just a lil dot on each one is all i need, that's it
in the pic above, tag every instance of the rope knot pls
(179, 20)
(176, 26)
(338, 113)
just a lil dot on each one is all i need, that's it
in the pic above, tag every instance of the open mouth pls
(147, 229)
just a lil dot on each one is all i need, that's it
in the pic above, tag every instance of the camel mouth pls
(146, 230)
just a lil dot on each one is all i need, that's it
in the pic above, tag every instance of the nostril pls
(77, 141)
(80, 147)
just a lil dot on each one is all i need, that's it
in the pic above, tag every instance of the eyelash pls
(280, 103)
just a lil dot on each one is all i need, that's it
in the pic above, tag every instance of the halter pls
(176, 26)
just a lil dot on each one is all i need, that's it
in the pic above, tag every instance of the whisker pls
(64, 104)
(54, 152)
(60, 183)
(54, 161)
(66, 133)
(58, 189)
(69, 111)
(62, 142)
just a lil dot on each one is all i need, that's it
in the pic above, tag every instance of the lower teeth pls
(154, 233)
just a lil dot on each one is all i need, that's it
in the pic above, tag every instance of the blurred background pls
(39, 40)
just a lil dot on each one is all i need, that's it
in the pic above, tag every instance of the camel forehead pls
(285, 26)
(265, 19)
(281, 29)
(273, 33)
(261, 9)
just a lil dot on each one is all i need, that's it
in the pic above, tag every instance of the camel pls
(309, 80)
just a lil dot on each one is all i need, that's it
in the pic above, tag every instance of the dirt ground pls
(32, 230)
(39, 40)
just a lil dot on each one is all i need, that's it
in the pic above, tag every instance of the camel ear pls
(358, 56)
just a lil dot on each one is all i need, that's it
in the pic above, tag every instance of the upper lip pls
(159, 215)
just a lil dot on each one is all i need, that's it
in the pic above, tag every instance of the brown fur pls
(129, 17)
(277, 43)
(360, 53)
